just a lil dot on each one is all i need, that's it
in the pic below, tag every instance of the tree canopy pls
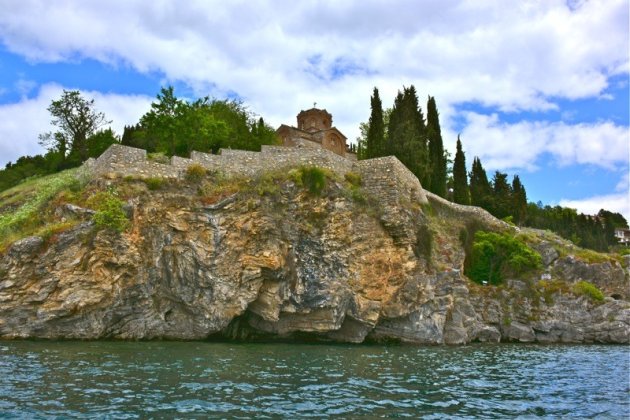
(176, 127)
(76, 120)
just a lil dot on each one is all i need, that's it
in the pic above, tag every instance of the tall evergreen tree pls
(437, 158)
(519, 201)
(406, 134)
(501, 203)
(375, 141)
(461, 192)
(480, 190)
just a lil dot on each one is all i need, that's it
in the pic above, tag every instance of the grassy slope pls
(25, 209)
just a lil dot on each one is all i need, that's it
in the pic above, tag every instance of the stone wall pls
(444, 207)
(386, 177)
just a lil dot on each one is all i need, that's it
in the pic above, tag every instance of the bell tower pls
(314, 119)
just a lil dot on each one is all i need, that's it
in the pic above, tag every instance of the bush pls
(154, 183)
(109, 211)
(314, 179)
(494, 256)
(588, 289)
(353, 178)
(195, 173)
(159, 157)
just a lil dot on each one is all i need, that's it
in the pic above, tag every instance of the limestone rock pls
(292, 266)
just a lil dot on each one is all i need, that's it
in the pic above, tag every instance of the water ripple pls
(138, 380)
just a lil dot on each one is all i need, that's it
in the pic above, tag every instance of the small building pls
(314, 129)
(623, 236)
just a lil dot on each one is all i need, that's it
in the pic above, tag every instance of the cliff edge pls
(365, 255)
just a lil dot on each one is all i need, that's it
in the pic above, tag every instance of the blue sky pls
(539, 89)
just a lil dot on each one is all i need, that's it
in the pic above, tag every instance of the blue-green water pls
(164, 379)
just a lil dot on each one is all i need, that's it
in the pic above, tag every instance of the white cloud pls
(280, 57)
(518, 57)
(518, 146)
(617, 203)
(22, 122)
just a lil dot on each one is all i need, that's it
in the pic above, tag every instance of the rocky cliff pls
(266, 259)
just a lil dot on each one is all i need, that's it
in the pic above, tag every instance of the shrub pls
(159, 157)
(314, 179)
(494, 256)
(109, 211)
(154, 183)
(353, 178)
(548, 288)
(266, 185)
(588, 289)
(357, 195)
(195, 173)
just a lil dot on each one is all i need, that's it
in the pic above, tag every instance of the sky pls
(534, 88)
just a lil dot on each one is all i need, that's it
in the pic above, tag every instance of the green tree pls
(461, 192)
(177, 127)
(406, 134)
(519, 201)
(495, 256)
(375, 139)
(480, 189)
(76, 120)
(501, 202)
(437, 158)
(160, 124)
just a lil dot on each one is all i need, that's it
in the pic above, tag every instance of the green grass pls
(195, 173)
(154, 183)
(21, 206)
(588, 289)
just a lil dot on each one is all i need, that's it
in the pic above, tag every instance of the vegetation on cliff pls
(403, 132)
(171, 127)
(494, 257)
(175, 126)
(297, 252)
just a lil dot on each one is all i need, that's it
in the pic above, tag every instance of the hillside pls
(290, 252)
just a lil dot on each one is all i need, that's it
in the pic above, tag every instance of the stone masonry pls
(385, 177)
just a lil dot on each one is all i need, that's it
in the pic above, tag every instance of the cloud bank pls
(281, 57)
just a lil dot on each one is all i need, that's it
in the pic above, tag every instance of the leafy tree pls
(461, 192)
(437, 156)
(495, 256)
(161, 122)
(76, 121)
(375, 140)
(177, 127)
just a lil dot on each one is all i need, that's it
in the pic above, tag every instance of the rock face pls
(290, 265)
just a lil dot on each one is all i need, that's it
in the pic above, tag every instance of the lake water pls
(199, 379)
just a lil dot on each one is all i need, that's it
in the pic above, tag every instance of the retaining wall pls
(386, 177)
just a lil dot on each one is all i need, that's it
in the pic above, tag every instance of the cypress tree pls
(519, 201)
(501, 202)
(376, 129)
(480, 190)
(407, 134)
(437, 159)
(461, 192)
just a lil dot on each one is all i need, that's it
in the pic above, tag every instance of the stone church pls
(314, 129)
